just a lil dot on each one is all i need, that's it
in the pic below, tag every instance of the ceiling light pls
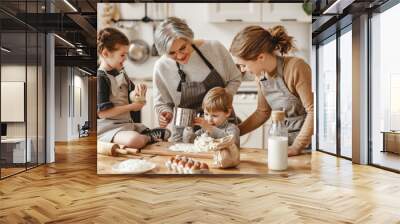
(84, 71)
(65, 41)
(70, 5)
(338, 6)
(5, 50)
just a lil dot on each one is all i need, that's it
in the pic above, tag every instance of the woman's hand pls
(136, 106)
(164, 119)
(202, 123)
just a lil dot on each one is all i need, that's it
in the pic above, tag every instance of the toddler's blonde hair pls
(217, 99)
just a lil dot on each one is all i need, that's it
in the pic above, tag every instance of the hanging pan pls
(139, 51)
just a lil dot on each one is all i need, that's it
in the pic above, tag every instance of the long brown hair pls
(254, 40)
(108, 38)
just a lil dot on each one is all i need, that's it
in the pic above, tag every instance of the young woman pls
(284, 82)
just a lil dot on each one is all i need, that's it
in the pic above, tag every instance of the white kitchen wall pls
(196, 16)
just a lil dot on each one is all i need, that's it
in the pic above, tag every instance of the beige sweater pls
(297, 76)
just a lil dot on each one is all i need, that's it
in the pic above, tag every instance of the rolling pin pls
(165, 152)
(109, 149)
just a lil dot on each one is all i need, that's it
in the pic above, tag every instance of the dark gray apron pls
(107, 128)
(279, 97)
(192, 93)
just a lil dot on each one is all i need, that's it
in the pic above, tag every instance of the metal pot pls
(184, 117)
(139, 51)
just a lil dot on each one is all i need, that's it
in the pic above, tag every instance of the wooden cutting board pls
(162, 150)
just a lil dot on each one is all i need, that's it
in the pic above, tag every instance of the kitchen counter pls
(252, 161)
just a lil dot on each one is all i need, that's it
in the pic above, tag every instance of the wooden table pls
(252, 161)
(391, 141)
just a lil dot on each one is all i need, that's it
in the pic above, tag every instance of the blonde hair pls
(254, 40)
(217, 99)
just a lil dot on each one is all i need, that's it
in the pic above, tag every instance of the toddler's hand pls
(201, 122)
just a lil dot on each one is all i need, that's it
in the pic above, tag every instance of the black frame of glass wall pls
(342, 26)
(37, 44)
(388, 5)
(335, 37)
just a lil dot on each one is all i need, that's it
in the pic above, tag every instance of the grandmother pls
(186, 71)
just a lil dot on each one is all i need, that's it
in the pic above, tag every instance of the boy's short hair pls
(217, 99)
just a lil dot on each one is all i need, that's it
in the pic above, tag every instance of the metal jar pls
(184, 117)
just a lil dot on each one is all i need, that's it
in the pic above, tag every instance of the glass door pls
(385, 89)
(326, 96)
(22, 77)
(346, 93)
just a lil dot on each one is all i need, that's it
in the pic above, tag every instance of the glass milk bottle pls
(278, 142)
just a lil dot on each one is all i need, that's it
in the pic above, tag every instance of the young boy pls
(217, 106)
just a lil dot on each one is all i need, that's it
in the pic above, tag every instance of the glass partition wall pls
(334, 94)
(22, 77)
(326, 106)
(385, 90)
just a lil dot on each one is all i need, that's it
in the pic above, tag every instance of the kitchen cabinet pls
(284, 12)
(234, 12)
(257, 12)
(137, 10)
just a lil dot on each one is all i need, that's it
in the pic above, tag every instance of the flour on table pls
(204, 142)
(133, 165)
(201, 144)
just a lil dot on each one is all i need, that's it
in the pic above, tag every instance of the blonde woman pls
(284, 82)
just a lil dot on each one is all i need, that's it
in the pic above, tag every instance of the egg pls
(190, 162)
(174, 164)
(196, 166)
(195, 169)
(204, 166)
(182, 163)
(188, 165)
(176, 161)
(168, 165)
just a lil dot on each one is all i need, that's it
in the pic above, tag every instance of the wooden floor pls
(69, 191)
(387, 159)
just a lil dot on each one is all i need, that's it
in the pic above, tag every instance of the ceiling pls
(332, 15)
(75, 23)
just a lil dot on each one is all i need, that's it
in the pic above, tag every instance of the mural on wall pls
(187, 121)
